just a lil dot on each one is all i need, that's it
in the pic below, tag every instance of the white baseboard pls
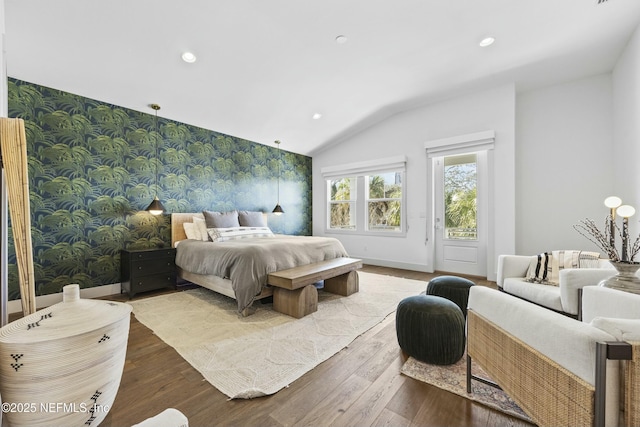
(395, 264)
(42, 301)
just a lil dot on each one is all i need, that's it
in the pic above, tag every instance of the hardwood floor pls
(359, 386)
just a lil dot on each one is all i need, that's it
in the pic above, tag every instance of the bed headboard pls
(177, 230)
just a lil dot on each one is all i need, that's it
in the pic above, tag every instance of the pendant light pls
(156, 208)
(278, 209)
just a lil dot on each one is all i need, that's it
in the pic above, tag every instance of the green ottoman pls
(431, 329)
(453, 288)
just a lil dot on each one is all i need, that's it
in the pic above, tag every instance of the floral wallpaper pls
(92, 172)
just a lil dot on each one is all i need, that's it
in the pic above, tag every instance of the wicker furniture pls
(430, 329)
(560, 371)
(564, 298)
(453, 288)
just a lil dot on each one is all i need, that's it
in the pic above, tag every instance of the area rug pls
(453, 378)
(257, 355)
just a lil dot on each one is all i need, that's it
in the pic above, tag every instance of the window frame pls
(353, 203)
(362, 171)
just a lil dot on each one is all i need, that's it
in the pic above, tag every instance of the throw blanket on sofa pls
(545, 267)
(247, 262)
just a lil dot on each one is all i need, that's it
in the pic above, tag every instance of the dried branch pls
(590, 230)
(635, 249)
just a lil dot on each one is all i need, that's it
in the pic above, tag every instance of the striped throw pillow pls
(540, 269)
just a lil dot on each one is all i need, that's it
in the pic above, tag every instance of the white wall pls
(555, 162)
(406, 134)
(564, 163)
(626, 128)
(3, 66)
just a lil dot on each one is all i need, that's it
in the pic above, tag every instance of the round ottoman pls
(453, 288)
(431, 329)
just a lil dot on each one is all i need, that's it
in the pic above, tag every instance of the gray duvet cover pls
(247, 262)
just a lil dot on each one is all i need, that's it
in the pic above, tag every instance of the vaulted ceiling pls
(265, 67)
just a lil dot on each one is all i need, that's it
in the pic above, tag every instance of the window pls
(342, 203)
(460, 201)
(384, 202)
(367, 197)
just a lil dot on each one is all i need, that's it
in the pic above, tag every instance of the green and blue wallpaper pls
(92, 172)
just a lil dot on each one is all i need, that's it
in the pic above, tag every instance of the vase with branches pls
(623, 260)
(605, 239)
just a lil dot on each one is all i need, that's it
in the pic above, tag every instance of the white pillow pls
(235, 233)
(190, 231)
(621, 329)
(201, 227)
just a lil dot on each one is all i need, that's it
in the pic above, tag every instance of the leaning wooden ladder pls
(13, 147)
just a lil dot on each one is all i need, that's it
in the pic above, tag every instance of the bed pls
(239, 268)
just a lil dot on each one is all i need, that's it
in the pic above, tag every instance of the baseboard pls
(395, 264)
(15, 306)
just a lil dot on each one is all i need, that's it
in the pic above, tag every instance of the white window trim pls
(462, 144)
(360, 170)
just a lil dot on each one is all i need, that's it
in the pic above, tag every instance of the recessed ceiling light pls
(188, 57)
(341, 39)
(317, 116)
(488, 41)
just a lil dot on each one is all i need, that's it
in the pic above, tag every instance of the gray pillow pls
(221, 219)
(251, 219)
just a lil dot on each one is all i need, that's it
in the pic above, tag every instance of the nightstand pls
(144, 270)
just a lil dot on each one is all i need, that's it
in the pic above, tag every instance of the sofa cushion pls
(621, 329)
(545, 295)
(598, 301)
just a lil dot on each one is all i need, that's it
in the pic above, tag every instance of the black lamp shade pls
(278, 210)
(155, 208)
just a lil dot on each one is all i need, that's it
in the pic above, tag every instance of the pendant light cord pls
(156, 107)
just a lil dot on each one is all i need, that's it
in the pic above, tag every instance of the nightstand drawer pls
(152, 266)
(153, 282)
(152, 254)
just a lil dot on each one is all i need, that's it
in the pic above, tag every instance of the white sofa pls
(512, 270)
(547, 361)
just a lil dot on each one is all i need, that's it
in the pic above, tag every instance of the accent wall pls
(92, 172)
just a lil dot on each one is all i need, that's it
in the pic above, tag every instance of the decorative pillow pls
(540, 269)
(201, 228)
(235, 233)
(221, 219)
(572, 259)
(190, 231)
(251, 219)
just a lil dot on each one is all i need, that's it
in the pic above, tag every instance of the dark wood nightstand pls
(144, 270)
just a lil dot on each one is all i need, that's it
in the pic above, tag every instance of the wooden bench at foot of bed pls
(294, 293)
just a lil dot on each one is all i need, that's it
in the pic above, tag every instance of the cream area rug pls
(260, 354)
(453, 378)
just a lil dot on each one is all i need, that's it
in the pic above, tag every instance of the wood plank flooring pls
(359, 386)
